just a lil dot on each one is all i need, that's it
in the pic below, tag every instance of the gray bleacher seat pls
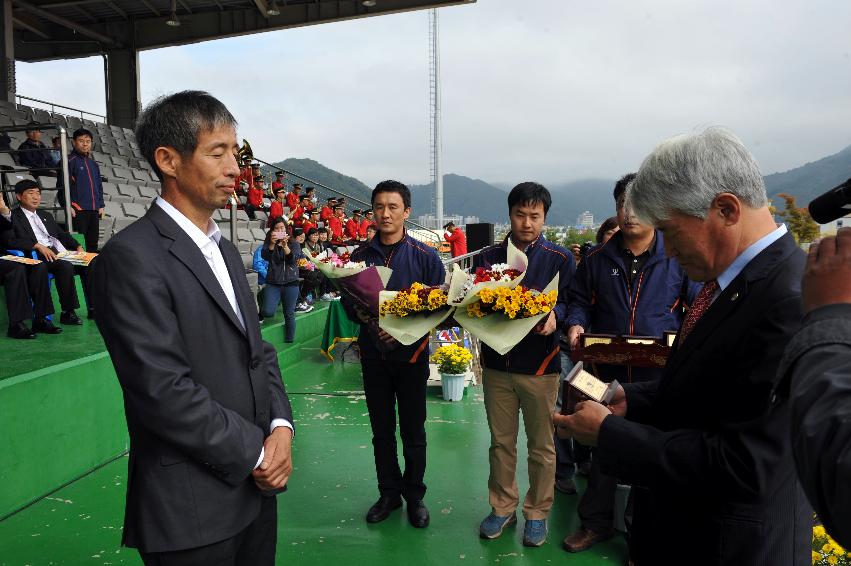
(122, 173)
(119, 161)
(110, 188)
(242, 216)
(244, 247)
(128, 190)
(41, 116)
(101, 158)
(47, 182)
(259, 234)
(134, 210)
(122, 223)
(128, 133)
(6, 159)
(141, 175)
(108, 149)
(148, 192)
(248, 260)
(13, 177)
(105, 227)
(125, 151)
(113, 208)
(122, 198)
(244, 235)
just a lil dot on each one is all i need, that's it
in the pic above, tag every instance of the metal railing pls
(418, 231)
(465, 261)
(54, 106)
(61, 169)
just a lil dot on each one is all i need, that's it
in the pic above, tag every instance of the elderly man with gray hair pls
(707, 446)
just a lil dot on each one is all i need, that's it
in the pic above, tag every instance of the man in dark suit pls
(707, 447)
(27, 291)
(209, 419)
(35, 230)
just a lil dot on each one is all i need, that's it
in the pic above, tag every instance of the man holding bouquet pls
(526, 378)
(394, 373)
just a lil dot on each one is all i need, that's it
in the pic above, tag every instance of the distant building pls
(430, 220)
(831, 228)
(585, 220)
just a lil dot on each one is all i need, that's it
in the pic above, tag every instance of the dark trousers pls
(385, 384)
(27, 291)
(63, 275)
(254, 546)
(87, 223)
(597, 506)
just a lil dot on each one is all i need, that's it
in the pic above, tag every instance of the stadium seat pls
(258, 233)
(134, 210)
(148, 192)
(128, 190)
(121, 224)
(16, 176)
(113, 209)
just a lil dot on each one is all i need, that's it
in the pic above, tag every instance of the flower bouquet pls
(304, 263)
(502, 317)
(411, 313)
(827, 551)
(354, 279)
(464, 287)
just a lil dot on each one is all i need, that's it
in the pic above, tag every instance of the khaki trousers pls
(506, 394)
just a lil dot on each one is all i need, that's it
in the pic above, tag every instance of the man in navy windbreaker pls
(626, 286)
(86, 189)
(526, 378)
(394, 373)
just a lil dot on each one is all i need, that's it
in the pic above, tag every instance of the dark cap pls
(308, 189)
(297, 185)
(356, 211)
(314, 211)
(280, 190)
(279, 173)
(26, 185)
(255, 166)
(331, 199)
(258, 177)
(79, 132)
(368, 211)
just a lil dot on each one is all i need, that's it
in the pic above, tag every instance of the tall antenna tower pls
(434, 96)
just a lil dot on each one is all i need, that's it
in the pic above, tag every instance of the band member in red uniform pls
(276, 210)
(278, 183)
(335, 225)
(353, 225)
(312, 222)
(294, 197)
(364, 224)
(328, 210)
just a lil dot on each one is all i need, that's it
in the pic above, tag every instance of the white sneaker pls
(327, 297)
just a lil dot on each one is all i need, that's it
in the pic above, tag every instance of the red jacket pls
(352, 229)
(457, 242)
(297, 215)
(335, 224)
(293, 200)
(276, 210)
(325, 213)
(277, 185)
(308, 225)
(364, 224)
(255, 197)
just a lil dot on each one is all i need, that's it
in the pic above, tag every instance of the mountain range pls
(475, 197)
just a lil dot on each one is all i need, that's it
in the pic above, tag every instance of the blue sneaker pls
(535, 532)
(493, 525)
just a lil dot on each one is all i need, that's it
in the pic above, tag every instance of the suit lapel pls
(24, 222)
(185, 250)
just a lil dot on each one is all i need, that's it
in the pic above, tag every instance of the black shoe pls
(44, 326)
(382, 508)
(20, 331)
(566, 485)
(70, 318)
(418, 514)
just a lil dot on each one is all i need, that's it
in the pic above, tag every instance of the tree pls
(798, 220)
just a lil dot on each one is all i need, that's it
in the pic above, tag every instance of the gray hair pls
(685, 173)
(177, 120)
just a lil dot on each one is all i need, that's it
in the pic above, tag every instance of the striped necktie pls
(700, 306)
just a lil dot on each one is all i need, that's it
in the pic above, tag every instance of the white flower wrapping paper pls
(461, 293)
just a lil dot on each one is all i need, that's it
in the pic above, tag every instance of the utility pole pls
(434, 95)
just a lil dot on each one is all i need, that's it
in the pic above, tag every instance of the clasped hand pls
(588, 416)
(275, 469)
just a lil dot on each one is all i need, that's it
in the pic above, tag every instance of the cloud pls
(552, 90)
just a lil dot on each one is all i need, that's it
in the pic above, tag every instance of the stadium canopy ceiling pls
(54, 29)
(42, 30)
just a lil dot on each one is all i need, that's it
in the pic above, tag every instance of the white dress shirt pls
(41, 234)
(746, 257)
(209, 245)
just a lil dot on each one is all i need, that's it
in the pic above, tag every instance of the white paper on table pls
(497, 330)
(411, 328)
(515, 260)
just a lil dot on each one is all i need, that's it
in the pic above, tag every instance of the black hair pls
(80, 132)
(448, 224)
(309, 189)
(530, 193)
(608, 224)
(297, 232)
(312, 231)
(177, 120)
(621, 185)
(372, 227)
(321, 230)
(393, 187)
(33, 127)
(26, 185)
(276, 220)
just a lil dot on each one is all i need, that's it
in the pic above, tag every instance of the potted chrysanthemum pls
(452, 361)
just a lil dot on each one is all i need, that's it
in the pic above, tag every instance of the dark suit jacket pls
(199, 391)
(707, 447)
(21, 236)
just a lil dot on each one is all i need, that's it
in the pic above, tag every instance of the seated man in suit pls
(27, 292)
(706, 448)
(37, 230)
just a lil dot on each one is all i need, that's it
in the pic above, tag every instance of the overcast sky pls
(552, 90)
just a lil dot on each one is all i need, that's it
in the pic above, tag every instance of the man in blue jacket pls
(526, 378)
(626, 286)
(393, 373)
(86, 189)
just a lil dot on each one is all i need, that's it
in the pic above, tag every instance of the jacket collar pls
(612, 248)
(187, 251)
(375, 242)
(734, 295)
